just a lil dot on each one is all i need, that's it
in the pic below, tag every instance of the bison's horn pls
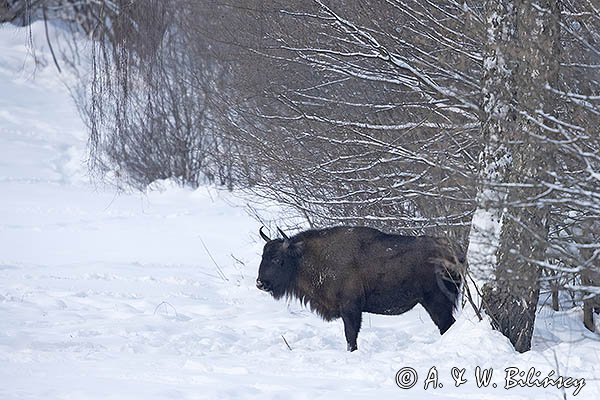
(263, 235)
(283, 234)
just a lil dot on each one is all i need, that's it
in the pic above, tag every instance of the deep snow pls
(112, 295)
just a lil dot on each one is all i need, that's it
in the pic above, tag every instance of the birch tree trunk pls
(521, 61)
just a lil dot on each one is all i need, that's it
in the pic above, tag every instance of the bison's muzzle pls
(264, 286)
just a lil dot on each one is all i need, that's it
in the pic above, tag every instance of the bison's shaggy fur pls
(344, 271)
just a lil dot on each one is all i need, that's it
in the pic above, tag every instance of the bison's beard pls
(278, 292)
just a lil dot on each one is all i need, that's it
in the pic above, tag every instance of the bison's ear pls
(295, 248)
(299, 247)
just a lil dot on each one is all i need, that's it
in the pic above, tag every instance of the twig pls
(219, 270)
(241, 265)
(470, 298)
(237, 260)
(49, 41)
(286, 342)
(166, 303)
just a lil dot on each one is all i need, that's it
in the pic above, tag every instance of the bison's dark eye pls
(277, 260)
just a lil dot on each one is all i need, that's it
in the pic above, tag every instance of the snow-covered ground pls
(107, 295)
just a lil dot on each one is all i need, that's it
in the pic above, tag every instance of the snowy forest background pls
(474, 120)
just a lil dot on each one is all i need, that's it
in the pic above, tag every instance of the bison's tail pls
(449, 276)
(452, 286)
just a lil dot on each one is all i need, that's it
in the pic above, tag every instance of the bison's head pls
(278, 266)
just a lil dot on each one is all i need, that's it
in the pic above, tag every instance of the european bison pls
(345, 271)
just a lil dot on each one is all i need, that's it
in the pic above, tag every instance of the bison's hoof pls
(352, 347)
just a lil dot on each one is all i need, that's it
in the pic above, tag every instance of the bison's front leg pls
(352, 317)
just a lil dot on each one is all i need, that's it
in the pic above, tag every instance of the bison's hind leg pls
(439, 307)
(352, 317)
